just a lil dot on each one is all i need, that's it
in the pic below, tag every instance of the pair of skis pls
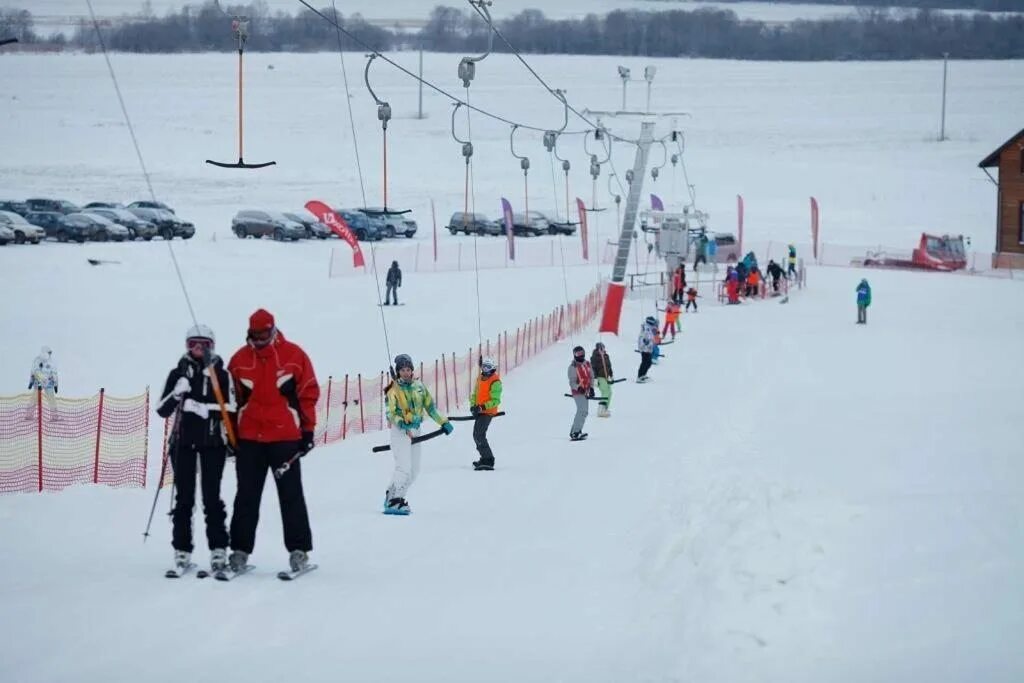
(228, 575)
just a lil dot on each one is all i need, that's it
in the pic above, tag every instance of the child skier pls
(672, 311)
(792, 261)
(485, 399)
(863, 301)
(198, 436)
(581, 385)
(645, 345)
(602, 367)
(43, 376)
(691, 298)
(407, 401)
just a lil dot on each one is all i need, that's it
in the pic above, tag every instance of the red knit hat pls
(261, 320)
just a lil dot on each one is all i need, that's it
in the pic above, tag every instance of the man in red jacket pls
(277, 393)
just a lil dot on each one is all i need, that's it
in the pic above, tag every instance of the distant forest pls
(979, 5)
(870, 34)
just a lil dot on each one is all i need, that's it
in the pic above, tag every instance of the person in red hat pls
(276, 391)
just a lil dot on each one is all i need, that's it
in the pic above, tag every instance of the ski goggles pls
(261, 337)
(198, 343)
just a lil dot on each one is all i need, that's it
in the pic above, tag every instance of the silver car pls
(104, 229)
(137, 227)
(22, 229)
(257, 223)
(6, 235)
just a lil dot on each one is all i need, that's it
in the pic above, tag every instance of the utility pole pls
(945, 71)
(420, 114)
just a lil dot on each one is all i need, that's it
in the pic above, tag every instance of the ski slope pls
(793, 498)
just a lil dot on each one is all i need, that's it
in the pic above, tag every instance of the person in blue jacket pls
(863, 301)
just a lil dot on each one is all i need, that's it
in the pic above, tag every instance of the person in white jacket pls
(43, 376)
(645, 345)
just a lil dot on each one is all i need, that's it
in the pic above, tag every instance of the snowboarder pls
(863, 301)
(43, 376)
(691, 298)
(581, 386)
(277, 391)
(645, 345)
(601, 365)
(792, 261)
(407, 401)
(485, 399)
(198, 435)
(394, 281)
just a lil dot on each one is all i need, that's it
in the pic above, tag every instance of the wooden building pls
(1009, 159)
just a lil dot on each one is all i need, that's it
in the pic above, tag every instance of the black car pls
(361, 225)
(104, 205)
(59, 205)
(61, 227)
(556, 226)
(20, 208)
(167, 224)
(137, 227)
(149, 205)
(314, 228)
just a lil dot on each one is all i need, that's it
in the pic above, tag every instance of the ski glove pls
(448, 427)
(474, 411)
(181, 387)
(590, 392)
(196, 408)
(307, 443)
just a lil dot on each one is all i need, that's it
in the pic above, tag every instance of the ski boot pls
(182, 559)
(298, 560)
(602, 410)
(237, 560)
(397, 506)
(218, 559)
(483, 466)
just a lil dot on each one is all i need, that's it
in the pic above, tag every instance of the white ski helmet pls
(201, 332)
(487, 365)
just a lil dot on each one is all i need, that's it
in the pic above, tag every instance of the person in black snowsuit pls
(198, 441)
(775, 273)
(394, 281)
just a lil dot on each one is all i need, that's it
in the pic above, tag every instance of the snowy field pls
(793, 498)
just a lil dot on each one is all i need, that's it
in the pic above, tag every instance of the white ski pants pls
(407, 461)
(51, 404)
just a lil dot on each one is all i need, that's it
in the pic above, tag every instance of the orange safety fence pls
(50, 442)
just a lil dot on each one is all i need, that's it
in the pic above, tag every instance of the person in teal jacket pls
(863, 301)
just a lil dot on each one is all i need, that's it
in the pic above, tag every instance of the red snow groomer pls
(945, 253)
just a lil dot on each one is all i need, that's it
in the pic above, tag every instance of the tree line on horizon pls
(707, 33)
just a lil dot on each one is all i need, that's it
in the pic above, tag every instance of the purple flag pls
(656, 204)
(506, 210)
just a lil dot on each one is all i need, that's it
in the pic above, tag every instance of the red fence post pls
(362, 415)
(145, 447)
(344, 411)
(327, 417)
(99, 429)
(39, 430)
(455, 378)
(437, 385)
(444, 367)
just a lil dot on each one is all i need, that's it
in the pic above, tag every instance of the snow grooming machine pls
(240, 29)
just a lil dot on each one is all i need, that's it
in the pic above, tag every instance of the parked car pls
(394, 223)
(167, 224)
(137, 227)
(104, 229)
(314, 228)
(359, 223)
(23, 230)
(59, 205)
(256, 223)
(20, 208)
(532, 223)
(104, 205)
(556, 226)
(473, 222)
(6, 235)
(145, 204)
(57, 226)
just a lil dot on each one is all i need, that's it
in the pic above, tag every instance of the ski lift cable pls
(432, 86)
(138, 154)
(351, 118)
(476, 234)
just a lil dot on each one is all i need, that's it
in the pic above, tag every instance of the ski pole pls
(163, 470)
(465, 418)
(280, 471)
(589, 398)
(415, 439)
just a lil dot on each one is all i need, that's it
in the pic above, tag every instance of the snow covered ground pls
(793, 498)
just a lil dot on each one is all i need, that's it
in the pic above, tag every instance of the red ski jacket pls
(276, 390)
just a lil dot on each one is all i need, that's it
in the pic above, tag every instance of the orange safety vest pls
(483, 392)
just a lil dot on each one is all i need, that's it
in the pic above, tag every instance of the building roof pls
(993, 158)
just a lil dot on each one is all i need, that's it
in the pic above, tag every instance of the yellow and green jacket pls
(407, 403)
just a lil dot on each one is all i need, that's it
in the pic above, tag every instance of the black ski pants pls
(210, 463)
(645, 363)
(480, 426)
(391, 293)
(253, 463)
(688, 302)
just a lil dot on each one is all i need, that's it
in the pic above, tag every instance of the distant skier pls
(775, 273)
(863, 301)
(645, 345)
(485, 400)
(791, 271)
(394, 281)
(407, 402)
(678, 283)
(198, 435)
(43, 376)
(672, 311)
(581, 385)
(701, 252)
(691, 298)
(601, 365)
